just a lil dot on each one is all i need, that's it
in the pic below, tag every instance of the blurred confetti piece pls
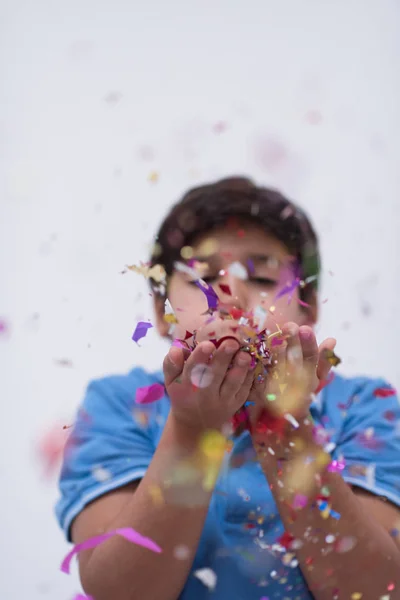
(4, 327)
(384, 392)
(207, 577)
(149, 393)
(236, 269)
(201, 375)
(82, 597)
(141, 330)
(225, 289)
(209, 292)
(331, 357)
(127, 532)
(51, 448)
(153, 177)
(63, 362)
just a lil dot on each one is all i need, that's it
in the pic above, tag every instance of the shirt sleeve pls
(109, 446)
(370, 440)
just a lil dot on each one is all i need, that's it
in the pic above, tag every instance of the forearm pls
(119, 569)
(369, 567)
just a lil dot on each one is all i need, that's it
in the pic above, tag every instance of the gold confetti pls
(153, 177)
(156, 494)
(187, 252)
(157, 272)
(170, 319)
(208, 247)
(356, 596)
(332, 358)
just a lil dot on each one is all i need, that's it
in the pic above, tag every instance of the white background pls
(94, 97)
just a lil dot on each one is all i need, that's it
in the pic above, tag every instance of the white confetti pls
(201, 375)
(207, 577)
(181, 552)
(101, 474)
(370, 475)
(236, 269)
(292, 420)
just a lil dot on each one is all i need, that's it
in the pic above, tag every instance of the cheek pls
(188, 305)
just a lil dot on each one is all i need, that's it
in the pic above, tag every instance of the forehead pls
(235, 243)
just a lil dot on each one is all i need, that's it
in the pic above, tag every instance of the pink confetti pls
(299, 501)
(149, 393)
(336, 466)
(82, 597)
(127, 532)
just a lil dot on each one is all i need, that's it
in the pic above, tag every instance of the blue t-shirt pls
(113, 444)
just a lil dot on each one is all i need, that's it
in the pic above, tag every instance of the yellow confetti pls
(356, 596)
(187, 252)
(282, 387)
(272, 309)
(157, 272)
(153, 177)
(208, 247)
(156, 494)
(170, 319)
(332, 358)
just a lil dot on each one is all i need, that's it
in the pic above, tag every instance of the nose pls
(232, 290)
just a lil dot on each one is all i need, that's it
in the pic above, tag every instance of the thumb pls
(173, 364)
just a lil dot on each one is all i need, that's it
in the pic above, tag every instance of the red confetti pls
(324, 383)
(384, 392)
(285, 540)
(225, 288)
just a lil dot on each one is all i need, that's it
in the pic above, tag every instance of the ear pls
(159, 310)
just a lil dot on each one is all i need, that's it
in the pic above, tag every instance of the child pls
(253, 486)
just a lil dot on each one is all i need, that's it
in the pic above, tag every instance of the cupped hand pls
(208, 386)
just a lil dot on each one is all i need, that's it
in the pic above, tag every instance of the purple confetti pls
(141, 330)
(210, 294)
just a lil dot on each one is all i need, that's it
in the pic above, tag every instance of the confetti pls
(225, 289)
(236, 269)
(299, 501)
(181, 552)
(101, 474)
(153, 177)
(210, 294)
(4, 327)
(149, 393)
(356, 596)
(331, 357)
(82, 597)
(384, 392)
(127, 532)
(207, 577)
(201, 376)
(336, 466)
(141, 330)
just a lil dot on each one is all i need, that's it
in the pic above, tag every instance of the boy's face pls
(267, 261)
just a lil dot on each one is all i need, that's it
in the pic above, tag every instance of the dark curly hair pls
(213, 205)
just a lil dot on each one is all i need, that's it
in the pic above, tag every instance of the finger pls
(244, 392)
(201, 355)
(173, 364)
(324, 365)
(294, 352)
(235, 377)
(221, 360)
(310, 353)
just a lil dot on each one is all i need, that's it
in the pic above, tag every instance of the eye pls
(205, 279)
(263, 281)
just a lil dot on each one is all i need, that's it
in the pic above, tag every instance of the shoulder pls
(121, 388)
(344, 392)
